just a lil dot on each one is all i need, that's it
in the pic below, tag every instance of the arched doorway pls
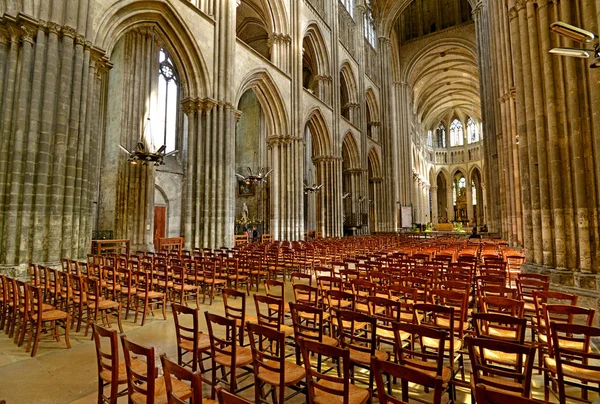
(459, 197)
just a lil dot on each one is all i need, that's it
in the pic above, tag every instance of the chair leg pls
(67, 340)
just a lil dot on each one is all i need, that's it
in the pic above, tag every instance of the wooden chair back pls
(107, 360)
(234, 303)
(269, 311)
(140, 382)
(226, 397)
(407, 375)
(504, 327)
(501, 305)
(173, 371)
(417, 354)
(187, 335)
(515, 378)
(306, 294)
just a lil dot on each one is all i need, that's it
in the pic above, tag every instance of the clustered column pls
(551, 131)
(329, 173)
(49, 98)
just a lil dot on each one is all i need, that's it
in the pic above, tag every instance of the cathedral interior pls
(379, 127)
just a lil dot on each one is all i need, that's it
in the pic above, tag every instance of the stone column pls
(390, 182)
(434, 205)
(450, 202)
(280, 51)
(469, 193)
(489, 97)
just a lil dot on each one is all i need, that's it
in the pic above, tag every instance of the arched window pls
(441, 135)
(430, 138)
(369, 24)
(164, 124)
(472, 131)
(456, 133)
(349, 6)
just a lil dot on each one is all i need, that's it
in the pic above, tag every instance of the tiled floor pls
(60, 375)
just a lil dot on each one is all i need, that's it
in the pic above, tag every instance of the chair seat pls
(510, 386)
(203, 343)
(576, 345)
(356, 395)
(188, 287)
(52, 315)
(429, 368)
(574, 372)
(286, 309)
(151, 294)
(243, 357)
(103, 304)
(364, 358)
(292, 373)
(128, 291)
(137, 365)
(445, 322)
(389, 334)
(433, 343)
(348, 324)
(215, 281)
(247, 319)
(180, 389)
(502, 332)
(326, 339)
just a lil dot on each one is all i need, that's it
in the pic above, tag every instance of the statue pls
(245, 211)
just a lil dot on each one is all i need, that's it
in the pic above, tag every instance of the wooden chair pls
(79, 297)
(487, 395)
(225, 352)
(515, 378)
(386, 312)
(270, 366)
(306, 294)
(424, 353)
(442, 317)
(526, 288)
(407, 375)
(562, 314)
(143, 384)
(308, 324)
(111, 372)
(358, 333)
(270, 313)
(226, 397)
(502, 305)
(146, 297)
(573, 361)
(39, 320)
(325, 387)
(212, 281)
(127, 288)
(190, 340)
(181, 286)
(175, 374)
(99, 307)
(235, 277)
(236, 309)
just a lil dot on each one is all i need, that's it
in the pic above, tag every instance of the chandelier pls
(312, 190)
(252, 178)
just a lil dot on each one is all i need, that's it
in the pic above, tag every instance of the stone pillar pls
(469, 193)
(489, 104)
(280, 51)
(450, 202)
(434, 205)
(389, 192)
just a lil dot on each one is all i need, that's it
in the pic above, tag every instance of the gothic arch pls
(121, 17)
(321, 138)
(314, 37)
(270, 101)
(351, 147)
(347, 74)
(472, 171)
(375, 160)
(445, 174)
(372, 105)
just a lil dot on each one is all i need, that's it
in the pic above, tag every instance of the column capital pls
(279, 140)
(384, 40)
(53, 28)
(376, 180)
(69, 32)
(354, 171)
(4, 37)
(278, 38)
(325, 159)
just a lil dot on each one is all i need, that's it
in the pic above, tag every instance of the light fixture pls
(252, 178)
(312, 190)
(572, 52)
(572, 32)
(140, 154)
(143, 156)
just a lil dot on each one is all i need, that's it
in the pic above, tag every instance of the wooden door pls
(160, 223)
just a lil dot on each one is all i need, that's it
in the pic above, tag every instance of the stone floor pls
(60, 375)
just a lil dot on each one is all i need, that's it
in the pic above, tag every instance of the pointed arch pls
(375, 160)
(269, 97)
(313, 37)
(474, 169)
(347, 75)
(351, 148)
(443, 172)
(321, 138)
(372, 105)
(120, 18)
